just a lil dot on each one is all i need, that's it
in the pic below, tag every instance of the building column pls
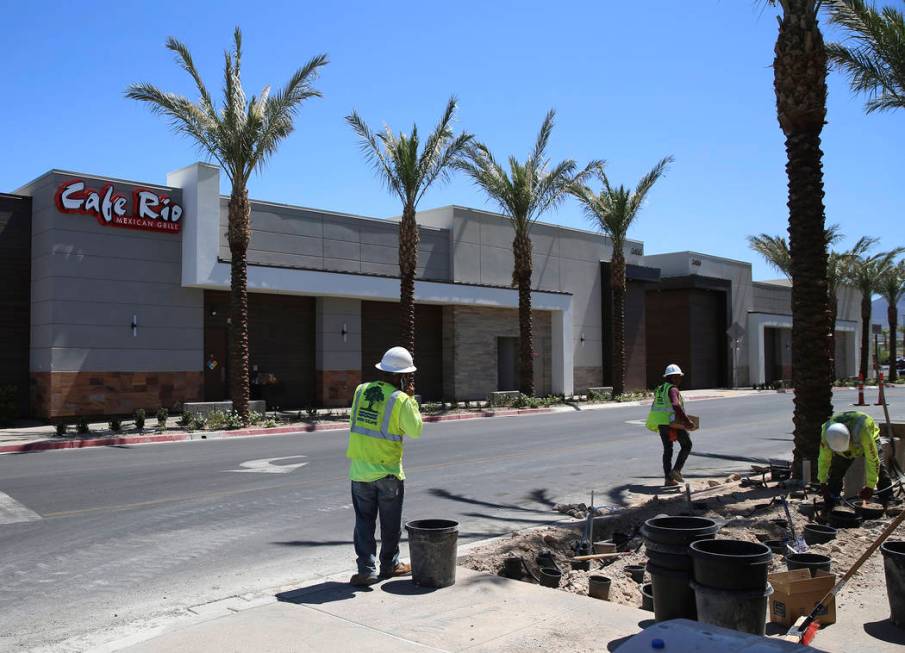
(337, 350)
(563, 340)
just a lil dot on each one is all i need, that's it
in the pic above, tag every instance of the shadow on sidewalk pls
(326, 592)
(885, 631)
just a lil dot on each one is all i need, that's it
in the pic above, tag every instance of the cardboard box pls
(795, 594)
(694, 420)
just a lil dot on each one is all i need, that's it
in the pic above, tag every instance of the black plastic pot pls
(545, 559)
(870, 511)
(647, 597)
(777, 546)
(841, 518)
(550, 576)
(818, 533)
(599, 587)
(810, 561)
(894, 567)
(673, 596)
(666, 539)
(432, 549)
(512, 568)
(745, 610)
(636, 572)
(730, 564)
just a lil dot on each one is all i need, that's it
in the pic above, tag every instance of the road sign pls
(876, 329)
(736, 331)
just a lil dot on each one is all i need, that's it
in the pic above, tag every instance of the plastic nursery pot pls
(777, 546)
(894, 567)
(636, 572)
(647, 597)
(512, 568)
(673, 596)
(818, 533)
(871, 511)
(432, 548)
(730, 564)
(599, 587)
(666, 539)
(809, 561)
(741, 610)
(550, 576)
(842, 518)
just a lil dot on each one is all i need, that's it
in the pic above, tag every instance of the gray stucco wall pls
(320, 240)
(772, 298)
(88, 280)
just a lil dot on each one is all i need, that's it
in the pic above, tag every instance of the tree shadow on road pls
(536, 495)
(734, 458)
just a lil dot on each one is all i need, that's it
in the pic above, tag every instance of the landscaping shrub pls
(216, 420)
(61, 428)
(81, 426)
(162, 416)
(140, 419)
(233, 421)
(115, 424)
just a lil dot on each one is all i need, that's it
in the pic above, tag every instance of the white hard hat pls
(397, 360)
(673, 369)
(838, 437)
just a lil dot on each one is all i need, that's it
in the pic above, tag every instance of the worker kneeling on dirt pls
(381, 416)
(668, 409)
(847, 436)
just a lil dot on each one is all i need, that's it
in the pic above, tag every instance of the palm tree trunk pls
(800, 84)
(831, 339)
(892, 316)
(239, 236)
(865, 334)
(521, 249)
(408, 263)
(617, 282)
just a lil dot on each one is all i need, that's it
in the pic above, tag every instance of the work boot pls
(401, 569)
(671, 482)
(676, 475)
(364, 579)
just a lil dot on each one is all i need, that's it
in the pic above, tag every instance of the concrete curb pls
(50, 445)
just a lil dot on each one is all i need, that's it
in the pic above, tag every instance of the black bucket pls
(841, 518)
(673, 596)
(666, 539)
(432, 548)
(734, 565)
(818, 533)
(599, 587)
(745, 610)
(512, 568)
(550, 576)
(636, 572)
(809, 561)
(647, 597)
(894, 566)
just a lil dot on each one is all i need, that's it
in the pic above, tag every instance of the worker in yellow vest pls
(669, 408)
(845, 437)
(381, 415)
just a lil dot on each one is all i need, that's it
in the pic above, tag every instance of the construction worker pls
(669, 408)
(381, 415)
(847, 436)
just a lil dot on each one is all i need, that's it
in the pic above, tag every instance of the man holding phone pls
(381, 415)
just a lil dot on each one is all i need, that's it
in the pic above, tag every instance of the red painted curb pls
(49, 445)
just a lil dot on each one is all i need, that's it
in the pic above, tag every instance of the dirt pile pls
(748, 513)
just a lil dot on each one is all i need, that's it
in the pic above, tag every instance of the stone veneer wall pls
(474, 349)
(587, 377)
(67, 394)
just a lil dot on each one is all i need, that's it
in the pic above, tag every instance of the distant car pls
(900, 365)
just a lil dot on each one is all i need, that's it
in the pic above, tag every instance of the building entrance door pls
(507, 364)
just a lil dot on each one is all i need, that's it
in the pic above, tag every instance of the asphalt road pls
(124, 534)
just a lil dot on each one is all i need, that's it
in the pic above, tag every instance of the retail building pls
(115, 298)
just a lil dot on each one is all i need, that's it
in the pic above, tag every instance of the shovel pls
(800, 545)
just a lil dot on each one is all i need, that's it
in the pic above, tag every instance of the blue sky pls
(631, 82)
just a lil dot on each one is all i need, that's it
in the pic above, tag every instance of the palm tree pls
(613, 211)
(866, 272)
(523, 194)
(875, 60)
(408, 169)
(241, 135)
(892, 288)
(799, 81)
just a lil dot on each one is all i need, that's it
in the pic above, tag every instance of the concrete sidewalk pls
(479, 613)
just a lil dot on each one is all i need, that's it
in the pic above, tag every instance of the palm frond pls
(775, 250)
(372, 148)
(184, 58)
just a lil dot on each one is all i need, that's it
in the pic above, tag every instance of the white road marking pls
(13, 512)
(639, 422)
(265, 466)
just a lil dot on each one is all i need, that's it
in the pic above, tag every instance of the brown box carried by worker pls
(694, 420)
(795, 594)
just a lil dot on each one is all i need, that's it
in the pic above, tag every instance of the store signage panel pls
(150, 210)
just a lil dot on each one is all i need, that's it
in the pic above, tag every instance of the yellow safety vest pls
(661, 411)
(865, 441)
(371, 438)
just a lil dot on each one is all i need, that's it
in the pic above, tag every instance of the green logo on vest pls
(372, 394)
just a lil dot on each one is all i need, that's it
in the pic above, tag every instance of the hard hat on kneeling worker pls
(673, 369)
(838, 437)
(396, 360)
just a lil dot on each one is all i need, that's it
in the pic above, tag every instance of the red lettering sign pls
(151, 211)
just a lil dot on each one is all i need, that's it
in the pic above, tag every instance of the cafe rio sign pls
(149, 211)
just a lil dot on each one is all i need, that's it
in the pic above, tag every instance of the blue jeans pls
(381, 498)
